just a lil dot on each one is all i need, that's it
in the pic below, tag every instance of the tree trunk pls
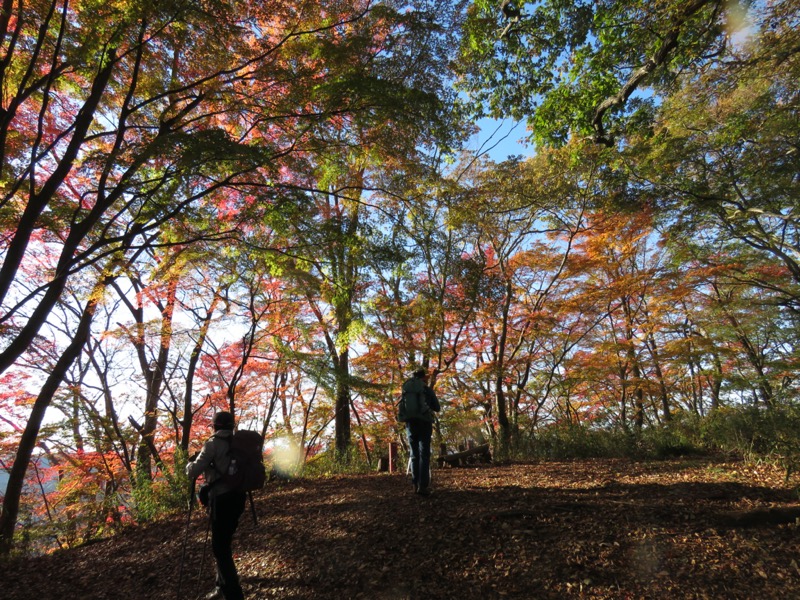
(37, 203)
(502, 404)
(342, 421)
(16, 480)
(662, 385)
(194, 359)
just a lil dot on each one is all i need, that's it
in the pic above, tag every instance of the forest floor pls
(683, 528)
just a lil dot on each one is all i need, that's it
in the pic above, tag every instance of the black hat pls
(223, 420)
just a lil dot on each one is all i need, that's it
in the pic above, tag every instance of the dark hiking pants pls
(419, 440)
(225, 512)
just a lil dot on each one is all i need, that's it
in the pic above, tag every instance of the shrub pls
(567, 441)
(757, 433)
(578, 441)
(168, 492)
(330, 462)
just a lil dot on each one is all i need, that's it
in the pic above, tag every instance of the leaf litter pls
(683, 528)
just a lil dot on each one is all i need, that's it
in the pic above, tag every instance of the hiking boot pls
(426, 491)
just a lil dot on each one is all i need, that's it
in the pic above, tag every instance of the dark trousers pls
(225, 512)
(419, 440)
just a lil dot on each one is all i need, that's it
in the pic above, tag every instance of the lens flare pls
(737, 17)
(287, 457)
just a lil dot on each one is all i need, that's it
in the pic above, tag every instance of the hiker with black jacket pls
(420, 430)
(226, 505)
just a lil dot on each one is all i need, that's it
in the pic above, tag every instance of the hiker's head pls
(223, 420)
(421, 373)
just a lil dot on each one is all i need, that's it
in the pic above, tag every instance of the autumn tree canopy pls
(268, 207)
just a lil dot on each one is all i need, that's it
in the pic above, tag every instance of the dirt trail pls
(581, 529)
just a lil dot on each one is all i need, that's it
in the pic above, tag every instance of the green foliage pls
(562, 60)
(332, 462)
(571, 441)
(568, 441)
(679, 438)
(163, 494)
(753, 433)
(756, 433)
(724, 159)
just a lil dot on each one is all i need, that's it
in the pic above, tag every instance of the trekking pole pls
(203, 557)
(185, 538)
(253, 508)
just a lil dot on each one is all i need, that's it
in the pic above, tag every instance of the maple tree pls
(286, 228)
(622, 275)
(752, 337)
(151, 138)
(527, 216)
(329, 236)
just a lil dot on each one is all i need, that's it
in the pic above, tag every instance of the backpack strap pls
(423, 401)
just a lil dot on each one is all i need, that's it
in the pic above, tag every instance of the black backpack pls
(246, 471)
(413, 405)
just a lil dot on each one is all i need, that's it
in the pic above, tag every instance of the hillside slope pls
(583, 529)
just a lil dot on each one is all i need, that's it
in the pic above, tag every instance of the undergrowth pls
(754, 434)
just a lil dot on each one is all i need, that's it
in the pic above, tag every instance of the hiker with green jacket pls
(226, 505)
(417, 406)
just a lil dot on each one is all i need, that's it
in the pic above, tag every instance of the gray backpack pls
(412, 403)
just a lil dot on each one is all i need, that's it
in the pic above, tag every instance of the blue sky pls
(500, 139)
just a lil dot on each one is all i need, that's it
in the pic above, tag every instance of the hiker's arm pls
(195, 468)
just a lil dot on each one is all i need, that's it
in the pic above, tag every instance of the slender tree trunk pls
(363, 437)
(502, 404)
(716, 383)
(343, 398)
(16, 480)
(623, 397)
(633, 363)
(279, 387)
(194, 359)
(155, 381)
(662, 385)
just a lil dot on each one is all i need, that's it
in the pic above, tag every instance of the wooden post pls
(392, 457)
